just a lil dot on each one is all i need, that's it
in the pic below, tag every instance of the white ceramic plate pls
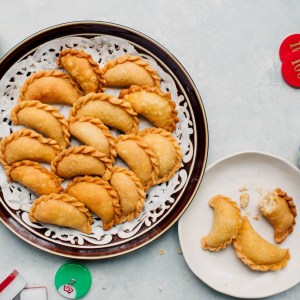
(223, 270)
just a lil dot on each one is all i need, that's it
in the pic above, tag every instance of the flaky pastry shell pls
(61, 210)
(82, 68)
(113, 112)
(50, 86)
(153, 104)
(128, 70)
(43, 118)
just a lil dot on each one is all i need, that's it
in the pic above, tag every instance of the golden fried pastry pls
(92, 132)
(113, 112)
(99, 196)
(128, 70)
(280, 210)
(257, 253)
(35, 177)
(131, 193)
(81, 160)
(139, 157)
(26, 144)
(50, 86)
(226, 224)
(153, 104)
(62, 210)
(166, 149)
(43, 118)
(82, 68)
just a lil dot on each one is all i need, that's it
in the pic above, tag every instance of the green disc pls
(73, 280)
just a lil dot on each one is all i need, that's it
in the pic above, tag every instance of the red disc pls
(289, 44)
(290, 69)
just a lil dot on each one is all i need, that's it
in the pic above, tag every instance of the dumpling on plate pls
(50, 86)
(35, 177)
(26, 144)
(226, 224)
(257, 253)
(61, 210)
(153, 104)
(99, 196)
(82, 68)
(43, 118)
(128, 70)
(279, 209)
(113, 112)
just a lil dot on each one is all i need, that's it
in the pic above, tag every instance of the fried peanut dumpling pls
(113, 112)
(128, 70)
(226, 224)
(139, 158)
(153, 104)
(43, 118)
(26, 144)
(257, 253)
(50, 87)
(92, 132)
(81, 160)
(166, 149)
(280, 210)
(99, 196)
(61, 210)
(82, 68)
(130, 191)
(35, 177)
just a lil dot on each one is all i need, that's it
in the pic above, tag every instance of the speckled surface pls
(230, 49)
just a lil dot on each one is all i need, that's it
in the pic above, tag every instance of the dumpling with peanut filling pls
(127, 70)
(257, 253)
(82, 68)
(61, 210)
(50, 86)
(226, 224)
(279, 209)
(99, 196)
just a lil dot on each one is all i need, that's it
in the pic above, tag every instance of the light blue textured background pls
(230, 49)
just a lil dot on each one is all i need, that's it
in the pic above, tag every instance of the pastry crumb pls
(162, 252)
(256, 218)
(243, 189)
(244, 200)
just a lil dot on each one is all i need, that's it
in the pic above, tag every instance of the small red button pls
(290, 69)
(289, 44)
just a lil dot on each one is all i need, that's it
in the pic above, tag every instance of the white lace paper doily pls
(160, 198)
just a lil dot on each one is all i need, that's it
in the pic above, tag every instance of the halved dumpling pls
(82, 68)
(92, 132)
(81, 160)
(35, 177)
(153, 104)
(50, 86)
(99, 196)
(139, 157)
(131, 193)
(43, 118)
(128, 70)
(280, 210)
(113, 112)
(226, 224)
(166, 149)
(257, 253)
(61, 210)
(26, 144)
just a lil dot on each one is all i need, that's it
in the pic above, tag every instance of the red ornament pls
(290, 69)
(289, 45)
